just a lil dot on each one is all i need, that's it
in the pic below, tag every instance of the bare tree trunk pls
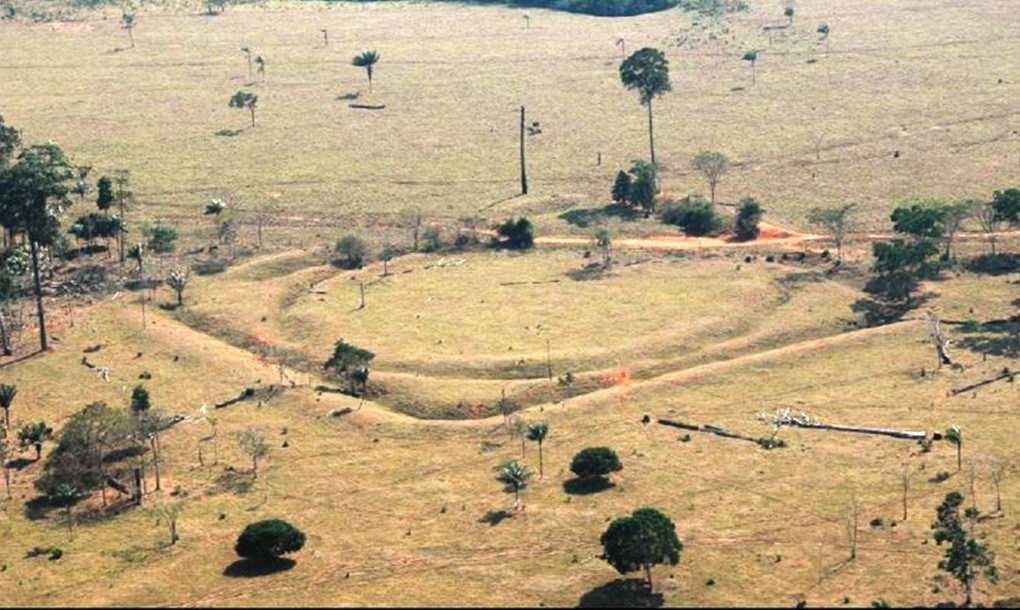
(154, 443)
(254, 468)
(252, 109)
(7, 480)
(541, 461)
(524, 173)
(40, 312)
(651, 136)
(648, 577)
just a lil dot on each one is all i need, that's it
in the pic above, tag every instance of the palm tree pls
(261, 63)
(955, 436)
(824, 30)
(7, 393)
(647, 70)
(366, 60)
(515, 476)
(127, 21)
(244, 99)
(751, 56)
(537, 432)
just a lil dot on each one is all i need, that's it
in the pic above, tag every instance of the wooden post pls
(598, 161)
(138, 486)
(362, 306)
(524, 173)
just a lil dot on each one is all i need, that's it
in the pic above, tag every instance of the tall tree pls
(639, 541)
(35, 190)
(5, 457)
(647, 72)
(367, 60)
(752, 58)
(824, 30)
(955, 436)
(247, 56)
(253, 443)
(988, 219)
(81, 186)
(104, 194)
(123, 196)
(712, 166)
(127, 21)
(261, 63)
(967, 557)
(34, 434)
(245, 99)
(352, 362)
(178, 281)
(538, 432)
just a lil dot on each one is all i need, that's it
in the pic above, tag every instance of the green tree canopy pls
(517, 234)
(644, 539)
(269, 539)
(595, 462)
(748, 216)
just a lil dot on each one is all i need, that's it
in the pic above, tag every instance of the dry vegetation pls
(402, 508)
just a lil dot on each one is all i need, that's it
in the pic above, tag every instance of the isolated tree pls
(752, 57)
(999, 468)
(121, 180)
(517, 234)
(215, 207)
(621, 187)
(899, 265)
(595, 462)
(352, 362)
(647, 72)
(748, 216)
(325, 37)
(245, 99)
(538, 432)
(367, 60)
(247, 57)
(967, 557)
(253, 444)
(104, 194)
(66, 495)
(824, 30)
(953, 216)
(637, 542)
(140, 401)
(955, 436)
(261, 63)
(7, 394)
(413, 216)
(788, 12)
(515, 477)
(836, 221)
(268, 540)
(604, 242)
(34, 434)
(34, 191)
(161, 240)
(127, 21)
(178, 281)
(169, 511)
(712, 165)
(353, 249)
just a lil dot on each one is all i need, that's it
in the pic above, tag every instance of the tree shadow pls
(253, 568)
(585, 217)
(997, 340)
(40, 507)
(878, 312)
(495, 517)
(586, 486)
(591, 271)
(621, 593)
(20, 463)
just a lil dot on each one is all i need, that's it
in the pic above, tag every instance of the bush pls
(432, 238)
(595, 462)
(353, 249)
(621, 187)
(267, 540)
(517, 234)
(695, 215)
(748, 216)
(994, 264)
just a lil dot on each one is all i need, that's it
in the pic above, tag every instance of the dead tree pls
(941, 341)
(786, 417)
(905, 485)
(1005, 374)
(852, 522)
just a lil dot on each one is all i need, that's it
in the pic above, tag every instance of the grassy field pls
(932, 80)
(398, 509)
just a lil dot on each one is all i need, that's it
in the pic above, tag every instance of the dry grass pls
(919, 77)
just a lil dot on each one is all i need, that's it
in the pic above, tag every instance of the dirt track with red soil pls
(770, 235)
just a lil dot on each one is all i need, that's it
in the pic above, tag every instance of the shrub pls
(621, 187)
(595, 462)
(433, 238)
(748, 216)
(517, 234)
(695, 215)
(267, 540)
(353, 249)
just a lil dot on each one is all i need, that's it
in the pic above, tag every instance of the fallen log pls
(905, 434)
(245, 394)
(367, 106)
(764, 442)
(1005, 374)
